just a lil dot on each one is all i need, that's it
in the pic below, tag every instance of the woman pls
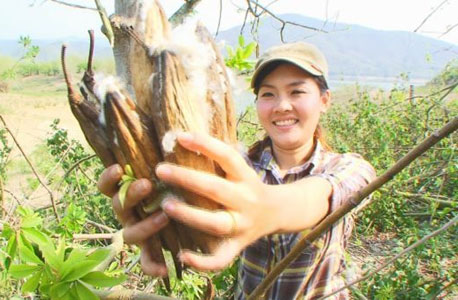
(288, 184)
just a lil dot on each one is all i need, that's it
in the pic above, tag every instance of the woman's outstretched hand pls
(248, 213)
(135, 231)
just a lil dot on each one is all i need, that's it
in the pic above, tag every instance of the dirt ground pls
(29, 109)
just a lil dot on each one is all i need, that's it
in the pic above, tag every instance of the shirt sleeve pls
(347, 173)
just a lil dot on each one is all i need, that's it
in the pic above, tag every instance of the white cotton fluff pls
(143, 7)
(106, 84)
(195, 57)
(169, 140)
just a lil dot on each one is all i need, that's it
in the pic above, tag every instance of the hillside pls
(352, 50)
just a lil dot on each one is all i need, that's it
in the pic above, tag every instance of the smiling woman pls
(285, 186)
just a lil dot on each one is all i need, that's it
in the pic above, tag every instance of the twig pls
(128, 295)
(430, 14)
(52, 170)
(352, 202)
(185, 10)
(73, 5)
(101, 226)
(448, 30)
(284, 23)
(219, 17)
(394, 258)
(107, 30)
(2, 198)
(74, 166)
(87, 176)
(33, 169)
(92, 236)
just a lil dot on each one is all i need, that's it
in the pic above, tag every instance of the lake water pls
(243, 98)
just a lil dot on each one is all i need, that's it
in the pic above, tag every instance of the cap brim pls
(304, 66)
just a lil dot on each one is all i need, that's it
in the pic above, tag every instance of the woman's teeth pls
(285, 122)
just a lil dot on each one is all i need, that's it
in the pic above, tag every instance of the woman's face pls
(289, 106)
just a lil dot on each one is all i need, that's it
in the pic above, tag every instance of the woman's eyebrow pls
(297, 83)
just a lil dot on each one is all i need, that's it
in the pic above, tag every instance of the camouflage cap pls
(306, 56)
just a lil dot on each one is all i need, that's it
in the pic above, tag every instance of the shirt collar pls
(267, 160)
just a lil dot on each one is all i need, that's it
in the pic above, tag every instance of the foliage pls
(5, 151)
(449, 74)
(30, 52)
(419, 199)
(60, 272)
(239, 58)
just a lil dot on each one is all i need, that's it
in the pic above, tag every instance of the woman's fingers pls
(208, 185)
(222, 257)
(149, 265)
(225, 155)
(139, 232)
(108, 181)
(136, 192)
(214, 222)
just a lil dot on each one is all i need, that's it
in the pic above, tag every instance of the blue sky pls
(46, 19)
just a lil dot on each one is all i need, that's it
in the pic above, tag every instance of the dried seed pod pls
(170, 83)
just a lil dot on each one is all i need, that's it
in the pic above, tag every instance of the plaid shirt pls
(318, 270)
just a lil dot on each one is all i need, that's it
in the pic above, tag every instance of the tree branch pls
(51, 196)
(73, 5)
(283, 22)
(352, 202)
(394, 258)
(128, 295)
(183, 12)
(430, 14)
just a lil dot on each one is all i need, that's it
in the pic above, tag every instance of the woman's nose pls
(283, 104)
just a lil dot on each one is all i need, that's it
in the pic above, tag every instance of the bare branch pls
(183, 12)
(351, 203)
(449, 29)
(51, 196)
(430, 14)
(73, 5)
(101, 226)
(219, 18)
(283, 22)
(394, 258)
(128, 295)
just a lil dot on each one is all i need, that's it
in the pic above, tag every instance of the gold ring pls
(234, 223)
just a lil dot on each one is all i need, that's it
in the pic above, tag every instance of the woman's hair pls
(319, 133)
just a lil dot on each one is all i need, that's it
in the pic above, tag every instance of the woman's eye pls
(295, 92)
(266, 95)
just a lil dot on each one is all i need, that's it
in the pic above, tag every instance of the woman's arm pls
(258, 209)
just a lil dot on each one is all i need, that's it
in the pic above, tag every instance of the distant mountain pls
(50, 49)
(352, 50)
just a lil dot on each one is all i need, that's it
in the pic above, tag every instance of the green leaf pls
(7, 231)
(28, 255)
(80, 269)
(100, 279)
(128, 170)
(241, 41)
(123, 192)
(21, 271)
(32, 283)
(31, 221)
(99, 255)
(58, 290)
(12, 246)
(85, 293)
(51, 258)
(36, 237)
